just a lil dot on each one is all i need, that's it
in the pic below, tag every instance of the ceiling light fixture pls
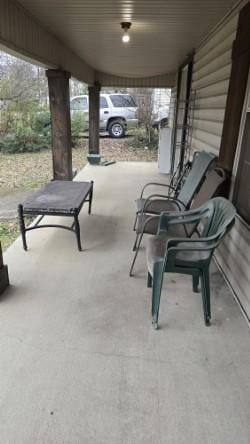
(125, 26)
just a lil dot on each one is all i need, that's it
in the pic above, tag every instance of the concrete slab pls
(80, 363)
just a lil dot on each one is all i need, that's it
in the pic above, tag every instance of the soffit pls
(163, 32)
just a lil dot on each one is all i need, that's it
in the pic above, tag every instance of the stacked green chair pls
(168, 254)
(155, 203)
(148, 224)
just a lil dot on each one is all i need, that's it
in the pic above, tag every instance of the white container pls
(164, 150)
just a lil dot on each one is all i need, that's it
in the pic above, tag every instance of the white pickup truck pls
(118, 112)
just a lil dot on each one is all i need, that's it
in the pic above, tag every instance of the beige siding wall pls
(234, 253)
(212, 68)
(233, 257)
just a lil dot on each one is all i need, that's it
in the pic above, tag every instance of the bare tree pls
(144, 100)
(23, 87)
(77, 88)
(18, 79)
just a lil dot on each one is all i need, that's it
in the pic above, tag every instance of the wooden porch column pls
(4, 277)
(58, 83)
(236, 91)
(94, 118)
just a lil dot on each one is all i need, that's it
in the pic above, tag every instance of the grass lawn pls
(30, 170)
(25, 171)
(9, 231)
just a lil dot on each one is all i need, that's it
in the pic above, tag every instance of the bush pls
(41, 123)
(143, 139)
(24, 139)
(78, 125)
(34, 134)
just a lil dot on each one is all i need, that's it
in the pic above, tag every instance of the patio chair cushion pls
(158, 205)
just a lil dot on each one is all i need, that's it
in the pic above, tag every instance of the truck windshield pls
(79, 104)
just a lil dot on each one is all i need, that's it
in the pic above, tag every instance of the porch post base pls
(94, 159)
(4, 278)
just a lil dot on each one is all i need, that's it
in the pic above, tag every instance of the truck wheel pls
(116, 129)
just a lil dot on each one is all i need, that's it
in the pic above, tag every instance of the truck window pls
(79, 104)
(103, 102)
(122, 101)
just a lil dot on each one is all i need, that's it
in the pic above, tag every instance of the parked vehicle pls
(160, 116)
(118, 112)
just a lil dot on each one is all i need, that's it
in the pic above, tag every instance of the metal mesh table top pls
(58, 196)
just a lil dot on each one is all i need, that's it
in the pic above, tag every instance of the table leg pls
(22, 226)
(91, 196)
(77, 231)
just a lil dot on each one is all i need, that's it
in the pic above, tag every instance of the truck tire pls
(116, 129)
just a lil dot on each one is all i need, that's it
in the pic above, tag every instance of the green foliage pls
(41, 122)
(9, 231)
(24, 139)
(24, 115)
(78, 125)
(144, 138)
(24, 127)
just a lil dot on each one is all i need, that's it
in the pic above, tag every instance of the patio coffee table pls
(56, 198)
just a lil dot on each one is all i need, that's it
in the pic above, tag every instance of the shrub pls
(24, 139)
(78, 125)
(41, 123)
(144, 139)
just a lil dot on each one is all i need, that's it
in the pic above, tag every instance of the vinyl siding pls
(234, 253)
(233, 257)
(212, 68)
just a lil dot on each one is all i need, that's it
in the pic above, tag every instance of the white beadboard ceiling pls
(163, 32)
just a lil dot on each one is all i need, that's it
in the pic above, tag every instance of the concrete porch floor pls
(80, 363)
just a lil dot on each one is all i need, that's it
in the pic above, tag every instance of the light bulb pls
(125, 26)
(125, 37)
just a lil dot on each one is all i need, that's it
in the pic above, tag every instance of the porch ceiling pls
(162, 33)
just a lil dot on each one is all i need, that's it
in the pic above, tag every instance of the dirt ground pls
(30, 170)
(26, 171)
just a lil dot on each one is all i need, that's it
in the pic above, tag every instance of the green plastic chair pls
(148, 224)
(182, 198)
(166, 254)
